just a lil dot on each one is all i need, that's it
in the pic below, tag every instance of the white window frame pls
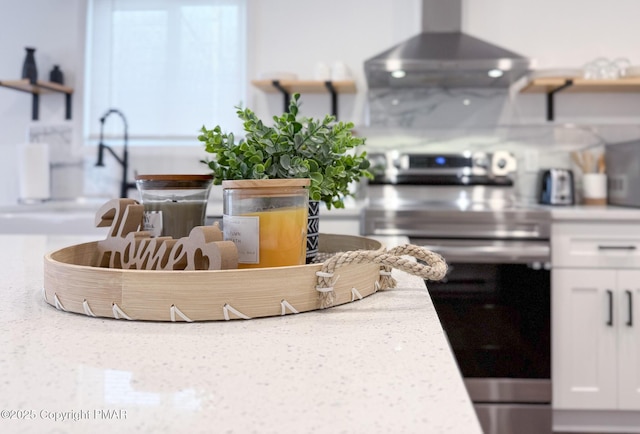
(101, 95)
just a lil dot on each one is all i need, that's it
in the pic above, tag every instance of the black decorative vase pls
(29, 69)
(56, 76)
(313, 229)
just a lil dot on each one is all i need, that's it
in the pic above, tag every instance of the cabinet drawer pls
(610, 245)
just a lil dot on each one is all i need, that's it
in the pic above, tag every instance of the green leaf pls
(285, 162)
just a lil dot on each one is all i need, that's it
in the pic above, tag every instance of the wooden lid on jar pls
(174, 181)
(169, 177)
(266, 183)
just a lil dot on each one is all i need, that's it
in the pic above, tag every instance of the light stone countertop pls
(378, 365)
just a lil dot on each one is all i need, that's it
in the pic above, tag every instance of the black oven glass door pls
(497, 319)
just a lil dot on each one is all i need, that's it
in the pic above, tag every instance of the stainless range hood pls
(443, 56)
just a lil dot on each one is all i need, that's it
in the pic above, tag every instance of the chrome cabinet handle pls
(630, 300)
(616, 247)
(610, 297)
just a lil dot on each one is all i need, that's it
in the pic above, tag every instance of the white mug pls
(322, 72)
(340, 71)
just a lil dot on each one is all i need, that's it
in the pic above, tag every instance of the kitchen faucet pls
(124, 161)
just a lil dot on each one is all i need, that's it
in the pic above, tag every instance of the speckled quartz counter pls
(378, 365)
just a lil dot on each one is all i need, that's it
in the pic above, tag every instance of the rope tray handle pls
(432, 267)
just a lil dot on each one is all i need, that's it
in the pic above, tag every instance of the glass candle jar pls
(173, 204)
(267, 220)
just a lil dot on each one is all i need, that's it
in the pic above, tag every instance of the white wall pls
(559, 34)
(293, 36)
(290, 35)
(56, 29)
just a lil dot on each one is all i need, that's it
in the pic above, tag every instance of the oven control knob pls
(503, 164)
(378, 161)
(481, 161)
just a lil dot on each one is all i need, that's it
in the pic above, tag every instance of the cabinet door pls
(584, 369)
(629, 340)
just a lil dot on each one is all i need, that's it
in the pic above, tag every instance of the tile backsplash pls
(535, 147)
(465, 119)
(432, 107)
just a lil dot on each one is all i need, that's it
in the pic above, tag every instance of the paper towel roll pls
(34, 171)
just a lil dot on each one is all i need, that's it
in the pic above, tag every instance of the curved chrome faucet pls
(124, 161)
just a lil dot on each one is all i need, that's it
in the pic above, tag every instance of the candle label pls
(244, 232)
(152, 223)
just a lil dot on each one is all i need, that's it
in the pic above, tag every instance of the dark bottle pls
(29, 69)
(56, 76)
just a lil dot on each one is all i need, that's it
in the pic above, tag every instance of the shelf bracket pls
(328, 84)
(35, 98)
(551, 94)
(67, 105)
(35, 106)
(334, 98)
(67, 100)
(287, 96)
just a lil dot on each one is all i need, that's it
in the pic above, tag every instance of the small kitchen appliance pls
(556, 187)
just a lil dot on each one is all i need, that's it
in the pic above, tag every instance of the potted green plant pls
(323, 150)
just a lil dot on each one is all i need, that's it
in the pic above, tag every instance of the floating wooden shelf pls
(305, 86)
(583, 85)
(552, 85)
(287, 87)
(38, 88)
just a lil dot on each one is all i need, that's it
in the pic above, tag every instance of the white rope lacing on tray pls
(87, 309)
(174, 310)
(284, 305)
(59, 305)
(228, 308)
(384, 274)
(321, 289)
(119, 313)
(327, 277)
(354, 294)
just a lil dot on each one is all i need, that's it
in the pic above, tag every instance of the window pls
(170, 66)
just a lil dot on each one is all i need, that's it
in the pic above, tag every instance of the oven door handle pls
(517, 253)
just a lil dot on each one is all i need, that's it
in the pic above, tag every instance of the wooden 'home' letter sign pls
(127, 247)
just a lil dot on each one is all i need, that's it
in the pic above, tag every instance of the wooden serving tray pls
(71, 284)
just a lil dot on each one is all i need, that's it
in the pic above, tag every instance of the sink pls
(73, 217)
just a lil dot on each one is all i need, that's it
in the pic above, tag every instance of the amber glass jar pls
(267, 220)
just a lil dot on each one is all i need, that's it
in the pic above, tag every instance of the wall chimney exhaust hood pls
(443, 56)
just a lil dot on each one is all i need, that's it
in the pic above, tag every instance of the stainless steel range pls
(494, 303)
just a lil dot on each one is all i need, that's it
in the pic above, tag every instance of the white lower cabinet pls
(629, 340)
(596, 339)
(595, 312)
